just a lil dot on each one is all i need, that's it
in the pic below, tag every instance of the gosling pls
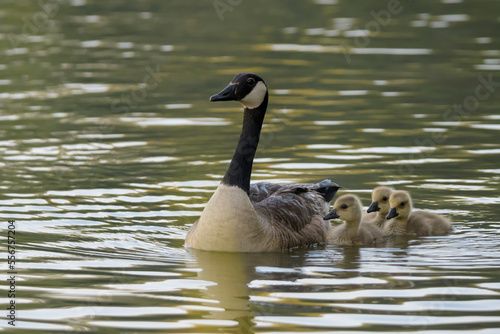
(402, 221)
(380, 206)
(352, 232)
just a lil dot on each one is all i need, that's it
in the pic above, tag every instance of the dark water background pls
(109, 150)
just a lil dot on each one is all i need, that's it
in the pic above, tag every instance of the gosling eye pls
(251, 81)
(344, 206)
(402, 205)
(384, 199)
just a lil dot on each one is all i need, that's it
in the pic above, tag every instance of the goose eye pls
(251, 81)
(402, 205)
(384, 199)
(344, 206)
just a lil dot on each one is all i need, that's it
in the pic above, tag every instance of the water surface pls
(109, 150)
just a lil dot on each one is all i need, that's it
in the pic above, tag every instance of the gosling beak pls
(227, 94)
(373, 207)
(332, 215)
(392, 213)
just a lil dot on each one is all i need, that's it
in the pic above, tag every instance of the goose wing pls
(262, 190)
(292, 218)
(292, 209)
(294, 213)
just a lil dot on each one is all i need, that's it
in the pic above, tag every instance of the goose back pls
(294, 214)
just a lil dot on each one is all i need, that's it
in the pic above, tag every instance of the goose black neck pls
(240, 170)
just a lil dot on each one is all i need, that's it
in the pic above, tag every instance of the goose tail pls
(328, 189)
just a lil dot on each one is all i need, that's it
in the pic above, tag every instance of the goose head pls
(347, 208)
(380, 200)
(249, 89)
(400, 203)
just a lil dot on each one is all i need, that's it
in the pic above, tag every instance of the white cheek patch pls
(255, 97)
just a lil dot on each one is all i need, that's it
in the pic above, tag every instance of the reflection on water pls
(109, 150)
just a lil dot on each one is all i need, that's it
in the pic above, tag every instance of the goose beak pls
(227, 94)
(392, 213)
(332, 215)
(373, 207)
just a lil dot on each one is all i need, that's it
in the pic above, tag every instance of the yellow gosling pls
(352, 231)
(402, 221)
(380, 205)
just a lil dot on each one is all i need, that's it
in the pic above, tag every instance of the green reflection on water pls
(82, 130)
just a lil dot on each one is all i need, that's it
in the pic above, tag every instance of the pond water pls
(109, 150)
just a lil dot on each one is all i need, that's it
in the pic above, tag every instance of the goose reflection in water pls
(243, 281)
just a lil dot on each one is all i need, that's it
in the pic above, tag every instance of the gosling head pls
(380, 200)
(400, 203)
(348, 208)
(249, 89)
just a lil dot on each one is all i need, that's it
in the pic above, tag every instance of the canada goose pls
(264, 216)
(402, 221)
(353, 231)
(380, 205)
